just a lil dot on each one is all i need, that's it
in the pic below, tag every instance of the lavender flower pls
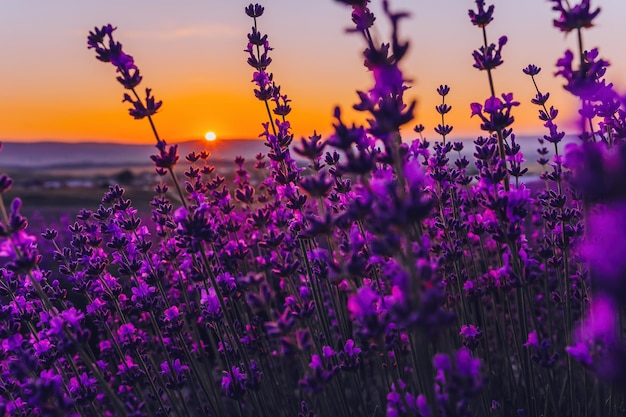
(283, 287)
(577, 17)
(481, 17)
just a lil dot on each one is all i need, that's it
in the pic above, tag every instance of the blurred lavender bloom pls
(597, 172)
(470, 334)
(577, 17)
(584, 82)
(597, 343)
(481, 17)
(604, 249)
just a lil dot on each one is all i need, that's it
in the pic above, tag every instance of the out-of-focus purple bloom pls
(328, 352)
(422, 406)
(467, 366)
(5, 183)
(605, 247)
(481, 17)
(350, 349)
(362, 17)
(362, 304)
(441, 362)
(470, 334)
(388, 81)
(354, 3)
(597, 173)
(597, 341)
(580, 352)
(584, 82)
(400, 402)
(532, 339)
(577, 17)
(457, 385)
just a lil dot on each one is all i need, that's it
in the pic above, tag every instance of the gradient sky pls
(191, 54)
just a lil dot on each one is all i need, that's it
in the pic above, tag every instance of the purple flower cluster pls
(108, 50)
(388, 276)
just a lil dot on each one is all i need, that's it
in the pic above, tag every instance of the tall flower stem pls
(501, 151)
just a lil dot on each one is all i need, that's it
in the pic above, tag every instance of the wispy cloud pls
(205, 31)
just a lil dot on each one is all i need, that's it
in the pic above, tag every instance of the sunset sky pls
(191, 54)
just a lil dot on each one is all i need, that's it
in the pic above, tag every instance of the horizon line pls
(462, 138)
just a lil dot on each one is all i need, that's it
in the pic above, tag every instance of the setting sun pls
(210, 136)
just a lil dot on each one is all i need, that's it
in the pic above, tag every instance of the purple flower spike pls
(97, 36)
(531, 70)
(254, 10)
(587, 81)
(443, 90)
(577, 17)
(108, 50)
(139, 110)
(496, 115)
(481, 17)
(490, 57)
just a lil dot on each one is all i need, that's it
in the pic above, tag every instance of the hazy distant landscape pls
(54, 179)
(89, 155)
(46, 155)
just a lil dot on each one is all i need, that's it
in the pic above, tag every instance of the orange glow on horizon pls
(181, 119)
(195, 64)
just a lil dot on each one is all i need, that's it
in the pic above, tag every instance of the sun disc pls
(210, 136)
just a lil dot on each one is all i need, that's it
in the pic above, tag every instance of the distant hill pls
(44, 155)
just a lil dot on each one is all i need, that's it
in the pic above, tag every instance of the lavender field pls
(367, 273)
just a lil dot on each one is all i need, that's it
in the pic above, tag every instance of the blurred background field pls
(56, 180)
